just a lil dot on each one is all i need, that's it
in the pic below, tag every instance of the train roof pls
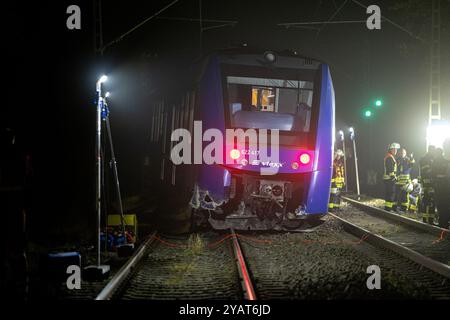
(187, 77)
(245, 50)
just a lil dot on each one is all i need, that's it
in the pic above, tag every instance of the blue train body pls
(254, 90)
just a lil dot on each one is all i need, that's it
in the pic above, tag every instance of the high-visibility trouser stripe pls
(427, 213)
(331, 205)
(405, 204)
(413, 203)
(334, 190)
(389, 204)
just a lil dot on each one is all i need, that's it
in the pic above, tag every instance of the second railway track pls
(330, 263)
(420, 242)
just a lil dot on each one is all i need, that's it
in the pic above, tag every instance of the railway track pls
(329, 263)
(423, 243)
(198, 267)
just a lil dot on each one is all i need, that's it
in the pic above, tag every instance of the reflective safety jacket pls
(425, 169)
(390, 167)
(440, 168)
(404, 166)
(338, 172)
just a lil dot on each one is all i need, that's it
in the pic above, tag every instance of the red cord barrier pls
(264, 241)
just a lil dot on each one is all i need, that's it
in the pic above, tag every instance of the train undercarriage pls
(255, 204)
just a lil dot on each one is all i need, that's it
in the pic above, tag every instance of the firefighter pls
(337, 181)
(441, 184)
(404, 166)
(427, 205)
(390, 176)
(415, 190)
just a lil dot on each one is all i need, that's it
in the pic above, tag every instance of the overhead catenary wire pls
(186, 19)
(324, 23)
(392, 22)
(307, 23)
(332, 17)
(121, 37)
(221, 23)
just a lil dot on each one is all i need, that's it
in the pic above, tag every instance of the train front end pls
(277, 114)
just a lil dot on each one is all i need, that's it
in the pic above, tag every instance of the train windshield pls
(266, 103)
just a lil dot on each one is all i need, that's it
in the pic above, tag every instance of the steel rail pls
(434, 230)
(380, 241)
(118, 279)
(247, 285)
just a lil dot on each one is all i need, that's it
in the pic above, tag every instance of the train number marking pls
(212, 153)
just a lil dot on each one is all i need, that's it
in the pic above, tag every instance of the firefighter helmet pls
(339, 152)
(409, 187)
(394, 145)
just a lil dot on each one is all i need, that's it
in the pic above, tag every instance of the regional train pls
(266, 91)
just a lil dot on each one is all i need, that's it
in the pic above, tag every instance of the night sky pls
(51, 75)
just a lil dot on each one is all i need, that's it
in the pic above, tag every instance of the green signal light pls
(378, 103)
(367, 113)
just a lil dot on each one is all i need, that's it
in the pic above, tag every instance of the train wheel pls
(314, 222)
(302, 224)
(293, 224)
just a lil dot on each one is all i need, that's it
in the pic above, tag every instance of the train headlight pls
(294, 165)
(305, 158)
(235, 154)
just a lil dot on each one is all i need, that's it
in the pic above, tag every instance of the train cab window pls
(270, 103)
(263, 99)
